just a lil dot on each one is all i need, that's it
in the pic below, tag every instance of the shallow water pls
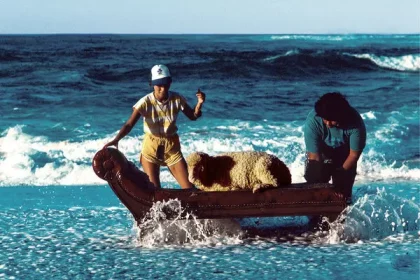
(84, 232)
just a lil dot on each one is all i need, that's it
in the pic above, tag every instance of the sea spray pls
(375, 217)
(156, 230)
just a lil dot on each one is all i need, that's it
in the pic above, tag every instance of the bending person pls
(335, 136)
(161, 145)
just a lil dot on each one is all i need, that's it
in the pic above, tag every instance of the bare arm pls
(125, 129)
(352, 159)
(314, 156)
(196, 113)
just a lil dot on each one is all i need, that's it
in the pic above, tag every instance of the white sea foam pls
(288, 53)
(390, 130)
(334, 37)
(373, 166)
(65, 162)
(400, 63)
(34, 160)
(375, 216)
(156, 230)
(369, 115)
(314, 37)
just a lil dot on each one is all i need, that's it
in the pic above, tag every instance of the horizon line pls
(273, 34)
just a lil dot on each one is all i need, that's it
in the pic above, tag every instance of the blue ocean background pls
(64, 96)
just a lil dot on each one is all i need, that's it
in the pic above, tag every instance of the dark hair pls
(333, 106)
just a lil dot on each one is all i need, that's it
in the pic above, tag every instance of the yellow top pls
(159, 118)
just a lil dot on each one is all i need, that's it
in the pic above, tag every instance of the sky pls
(209, 16)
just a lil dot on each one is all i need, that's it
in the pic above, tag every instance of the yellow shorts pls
(171, 149)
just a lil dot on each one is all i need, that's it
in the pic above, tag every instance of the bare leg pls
(180, 172)
(152, 170)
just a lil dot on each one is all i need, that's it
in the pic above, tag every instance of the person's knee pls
(180, 171)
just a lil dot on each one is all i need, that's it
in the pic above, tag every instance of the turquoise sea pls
(64, 96)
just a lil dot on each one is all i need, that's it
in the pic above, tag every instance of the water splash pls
(373, 217)
(155, 230)
(376, 216)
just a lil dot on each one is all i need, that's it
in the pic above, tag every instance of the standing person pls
(335, 136)
(161, 146)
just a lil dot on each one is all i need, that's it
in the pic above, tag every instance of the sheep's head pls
(197, 163)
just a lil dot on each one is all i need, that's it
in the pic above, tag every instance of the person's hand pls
(201, 96)
(112, 143)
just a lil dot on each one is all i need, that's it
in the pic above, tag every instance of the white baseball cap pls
(160, 75)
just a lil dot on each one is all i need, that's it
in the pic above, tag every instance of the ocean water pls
(64, 96)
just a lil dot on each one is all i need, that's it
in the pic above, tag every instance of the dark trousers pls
(329, 167)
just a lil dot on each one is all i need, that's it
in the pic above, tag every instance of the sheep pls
(237, 171)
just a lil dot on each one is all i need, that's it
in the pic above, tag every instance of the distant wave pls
(401, 63)
(292, 62)
(313, 37)
(288, 53)
(297, 62)
(93, 65)
(341, 37)
(8, 56)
